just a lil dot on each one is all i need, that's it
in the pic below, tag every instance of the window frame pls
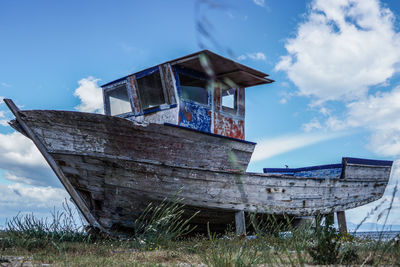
(106, 99)
(194, 74)
(233, 110)
(143, 74)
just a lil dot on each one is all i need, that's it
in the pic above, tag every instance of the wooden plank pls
(67, 185)
(169, 83)
(240, 223)
(340, 215)
(208, 189)
(122, 127)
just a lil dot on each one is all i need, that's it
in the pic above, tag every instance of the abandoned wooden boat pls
(168, 129)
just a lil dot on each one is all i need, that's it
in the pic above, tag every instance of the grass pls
(161, 238)
(228, 250)
(158, 225)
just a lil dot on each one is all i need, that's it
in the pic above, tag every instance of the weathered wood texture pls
(93, 134)
(126, 187)
(118, 168)
(222, 67)
(341, 218)
(240, 223)
(169, 83)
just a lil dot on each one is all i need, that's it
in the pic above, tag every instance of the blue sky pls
(336, 66)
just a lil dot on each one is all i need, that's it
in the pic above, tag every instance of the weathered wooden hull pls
(117, 190)
(113, 169)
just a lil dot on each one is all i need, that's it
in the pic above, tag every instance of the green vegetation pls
(159, 225)
(161, 238)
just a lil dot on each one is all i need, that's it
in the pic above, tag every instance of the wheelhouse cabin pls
(202, 91)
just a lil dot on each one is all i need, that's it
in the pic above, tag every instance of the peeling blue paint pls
(195, 116)
(323, 171)
(146, 72)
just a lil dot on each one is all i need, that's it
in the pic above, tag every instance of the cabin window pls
(118, 100)
(151, 91)
(194, 89)
(229, 99)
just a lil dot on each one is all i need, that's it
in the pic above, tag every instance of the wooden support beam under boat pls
(341, 218)
(330, 218)
(79, 202)
(240, 223)
(340, 215)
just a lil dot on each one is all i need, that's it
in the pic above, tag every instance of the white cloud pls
(3, 120)
(378, 113)
(341, 49)
(253, 56)
(283, 100)
(257, 56)
(90, 94)
(31, 196)
(324, 111)
(17, 198)
(313, 124)
(259, 2)
(22, 161)
(241, 57)
(5, 84)
(4, 115)
(285, 96)
(274, 146)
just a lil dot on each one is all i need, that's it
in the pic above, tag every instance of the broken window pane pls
(119, 100)
(151, 90)
(228, 98)
(193, 89)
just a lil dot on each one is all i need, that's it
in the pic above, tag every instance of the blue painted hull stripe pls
(348, 160)
(311, 168)
(373, 162)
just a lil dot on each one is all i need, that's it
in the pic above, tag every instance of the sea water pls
(376, 235)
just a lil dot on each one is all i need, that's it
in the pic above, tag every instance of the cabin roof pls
(220, 66)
